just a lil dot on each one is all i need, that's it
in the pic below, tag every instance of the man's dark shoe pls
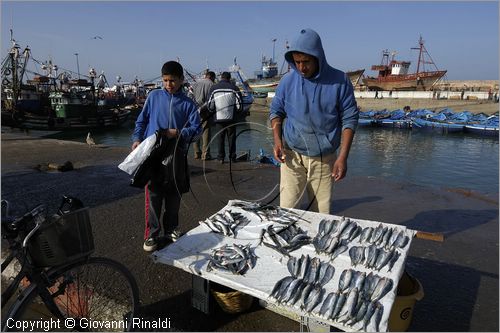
(197, 156)
(150, 245)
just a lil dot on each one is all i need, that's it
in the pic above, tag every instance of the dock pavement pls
(459, 276)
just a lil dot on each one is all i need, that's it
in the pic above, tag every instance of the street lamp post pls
(77, 65)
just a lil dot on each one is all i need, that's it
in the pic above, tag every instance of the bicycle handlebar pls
(39, 219)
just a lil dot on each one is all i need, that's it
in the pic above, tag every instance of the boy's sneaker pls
(150, 245)
(174, 235)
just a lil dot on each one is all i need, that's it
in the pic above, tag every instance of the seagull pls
(96, 37)
(90, 140)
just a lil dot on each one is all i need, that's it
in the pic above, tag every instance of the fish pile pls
(357, 299)
(386, 237)
(334, 235)
(225, 223)
(269, 212)
(284, 239)
(304, 287)
(373, 257)
(235, 259)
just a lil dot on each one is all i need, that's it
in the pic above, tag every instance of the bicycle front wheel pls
(98, 294)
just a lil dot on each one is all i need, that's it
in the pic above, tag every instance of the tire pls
(94, 294)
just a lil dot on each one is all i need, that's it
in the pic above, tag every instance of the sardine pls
(345, 280)
(327, 305)
(365, 235)
(326, 273)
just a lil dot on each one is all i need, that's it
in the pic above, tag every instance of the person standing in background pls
(225, 102)
(201, 90)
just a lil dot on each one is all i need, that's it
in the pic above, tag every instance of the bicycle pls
(62, 287)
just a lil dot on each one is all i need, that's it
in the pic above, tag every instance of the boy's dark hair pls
(172, 68)
(225, 76)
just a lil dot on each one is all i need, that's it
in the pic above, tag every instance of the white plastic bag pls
(138, 155)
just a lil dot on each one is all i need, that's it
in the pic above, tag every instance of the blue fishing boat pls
(489, 127)
(396, 119)
(436, 126)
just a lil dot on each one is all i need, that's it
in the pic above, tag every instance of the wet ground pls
(459, 275)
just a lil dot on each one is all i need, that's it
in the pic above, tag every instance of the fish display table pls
(353, 292)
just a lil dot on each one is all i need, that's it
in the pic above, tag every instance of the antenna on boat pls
(274, 42)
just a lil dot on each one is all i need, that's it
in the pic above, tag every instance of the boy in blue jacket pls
(176, 116)
(321, 115)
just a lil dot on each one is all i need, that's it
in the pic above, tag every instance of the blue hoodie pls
(163, 110)
(316, 109)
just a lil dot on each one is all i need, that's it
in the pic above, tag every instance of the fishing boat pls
(267, 78)
(51, 101)
(488, 127)
(393, 74)
(436, 126)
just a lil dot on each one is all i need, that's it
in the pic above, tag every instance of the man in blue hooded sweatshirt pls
(313, 113)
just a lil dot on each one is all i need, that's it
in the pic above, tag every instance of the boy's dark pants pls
(155, 195)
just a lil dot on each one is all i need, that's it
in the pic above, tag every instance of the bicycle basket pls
(62, 238)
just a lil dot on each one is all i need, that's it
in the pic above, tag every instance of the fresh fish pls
(284, 286)
(290, 291)
(315, 299)
(365, 235)
(304, 266)
(382, 259)
(368, 315)
(291, 265)
(327, 305)
(377, 316)
(393, 260)
(402, 240)
(338, 251)
(357, 255)
(355, 233)
(382, 288)
(359, 281)
(326, 272)
(338, 306)
(305, 293)
(349, 305)
(386, 237)
(360, 313)
(370, 263)
(298, 293)
(377, 233)
(313, 270)
(345, 280)
(382, 234)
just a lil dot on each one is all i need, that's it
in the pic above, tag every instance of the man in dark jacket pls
(225, 101)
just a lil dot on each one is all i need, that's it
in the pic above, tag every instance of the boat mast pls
(420, 55)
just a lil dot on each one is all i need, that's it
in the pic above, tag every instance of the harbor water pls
(455, 161)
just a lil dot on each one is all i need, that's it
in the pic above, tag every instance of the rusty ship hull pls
(417, 81)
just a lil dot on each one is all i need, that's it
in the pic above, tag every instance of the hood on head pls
(309, 42)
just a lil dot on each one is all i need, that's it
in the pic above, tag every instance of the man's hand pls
(339, 169)
(135, 144)
(170, 133)
(279, 151)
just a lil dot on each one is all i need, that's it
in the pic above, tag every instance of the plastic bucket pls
(408, 293)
